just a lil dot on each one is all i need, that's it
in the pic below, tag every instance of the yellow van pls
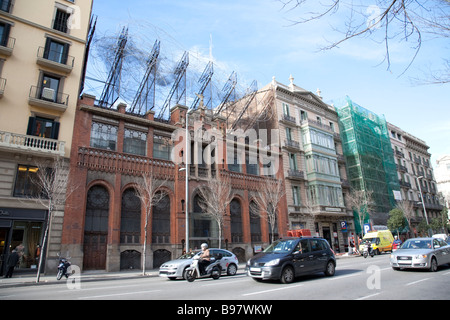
(381, 241)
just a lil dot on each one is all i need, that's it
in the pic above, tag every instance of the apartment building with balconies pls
(415, 173)
(42, 54)
(313, 164)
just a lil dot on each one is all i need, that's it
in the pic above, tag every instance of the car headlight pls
(272, 263)
(421, 256)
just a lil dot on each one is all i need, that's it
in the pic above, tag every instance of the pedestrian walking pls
(11, 263)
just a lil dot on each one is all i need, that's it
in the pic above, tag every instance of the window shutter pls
(55, 130)
(31, 126)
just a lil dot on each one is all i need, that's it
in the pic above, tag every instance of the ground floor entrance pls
(21, 230)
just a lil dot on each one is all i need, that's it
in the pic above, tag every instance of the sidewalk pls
(29, 279)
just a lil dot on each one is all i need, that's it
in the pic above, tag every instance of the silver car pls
(176, 268)
(423, 253)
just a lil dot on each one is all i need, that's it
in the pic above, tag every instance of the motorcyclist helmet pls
(204, 245)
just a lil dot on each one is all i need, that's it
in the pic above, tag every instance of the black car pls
(288, 258)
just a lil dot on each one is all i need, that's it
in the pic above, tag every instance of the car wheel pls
(433, 265)
(287, 275)
(232, 270)
(330, 269)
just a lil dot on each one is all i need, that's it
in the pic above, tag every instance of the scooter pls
(368, 250)
(212, 270)
(63, 265)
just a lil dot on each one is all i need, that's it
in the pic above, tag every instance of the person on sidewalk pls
(11, 263)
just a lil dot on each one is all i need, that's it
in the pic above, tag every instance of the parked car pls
(176, 268)
(423, 253)
(441, 236)
(288, 258)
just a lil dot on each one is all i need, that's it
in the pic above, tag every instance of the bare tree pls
(309, 206)
(383, 21)
(149, 190)
(361, 201)
(407, 208)
(51, 181)
(215, 197)
(267, 200)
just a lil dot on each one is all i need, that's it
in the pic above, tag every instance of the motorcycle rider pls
(205, 258)
(368, 244)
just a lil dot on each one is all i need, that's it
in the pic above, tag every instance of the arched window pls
(130, 219)
(96, 228)
(236, 221)
(161, 221)
(255, 222)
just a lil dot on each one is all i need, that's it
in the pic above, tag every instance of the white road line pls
(347, 276)
(369, 296)
(411, 283)
(118, 294)
(271, 290)
(98, 288)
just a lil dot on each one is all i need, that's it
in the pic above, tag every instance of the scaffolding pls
(370, 158)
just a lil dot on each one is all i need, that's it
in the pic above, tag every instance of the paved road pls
(355, 279)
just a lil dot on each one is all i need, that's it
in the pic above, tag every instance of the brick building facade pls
(104, 222)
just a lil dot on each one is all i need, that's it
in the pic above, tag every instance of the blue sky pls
(255, 39)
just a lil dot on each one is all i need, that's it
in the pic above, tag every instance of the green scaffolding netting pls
(369, 155)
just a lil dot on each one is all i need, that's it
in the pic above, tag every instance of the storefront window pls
(26, 238)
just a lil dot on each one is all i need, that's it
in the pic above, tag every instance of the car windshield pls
(417, 244)
(281, 246)
(188, 255)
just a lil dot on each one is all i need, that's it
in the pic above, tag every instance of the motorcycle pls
(63, 266)
(212, 270)
(368, 250)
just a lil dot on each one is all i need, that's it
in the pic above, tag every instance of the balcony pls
(404, 184)
(318, 125)
(399, 153)
(20, 143)
(296, 174)
(291, 144)
(48, 98)
(288, 120)
(7, 46)
(55, 60)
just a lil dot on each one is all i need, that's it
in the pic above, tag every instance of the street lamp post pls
(423, 204)
(186, 201)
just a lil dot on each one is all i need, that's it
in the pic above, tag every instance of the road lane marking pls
(271, 290)
(98, 288)
(411, 283)
(369, 296)
(118, 294)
